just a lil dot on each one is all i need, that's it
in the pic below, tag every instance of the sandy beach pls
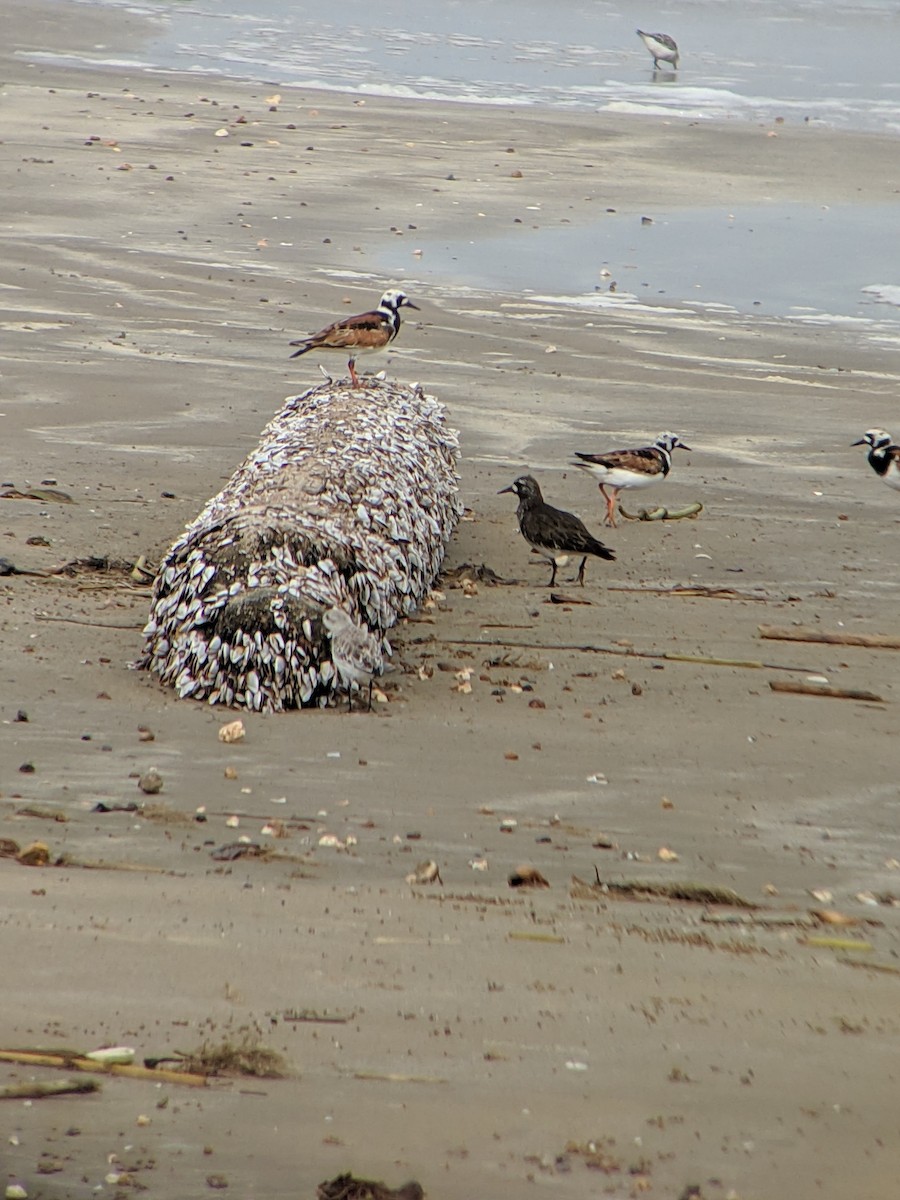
(165, 237)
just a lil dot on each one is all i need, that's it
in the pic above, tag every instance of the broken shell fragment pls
(232, 732)
(112, 1055)
(527, 876)
(35, 855)
(829, 916)
(426, 872)
(151, 782)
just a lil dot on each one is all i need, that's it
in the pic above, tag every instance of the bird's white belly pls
(892, 477)
(553, 556)
(659, 49)
(625, 479)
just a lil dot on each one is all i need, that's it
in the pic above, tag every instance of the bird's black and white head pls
(525, 487)
(392, 301)
(669, 442)
(878, 439)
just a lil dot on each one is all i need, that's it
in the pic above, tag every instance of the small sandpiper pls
(355, 652)
(553, 533)
(662, 47)
(620, 469)
(884, 456)
(366, 333)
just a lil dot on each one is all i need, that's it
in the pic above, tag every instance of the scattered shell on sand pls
(232, 732)
(151, 782)
(527, 876)
(426, 872)
(37, 854)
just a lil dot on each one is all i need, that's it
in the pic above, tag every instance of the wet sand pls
(153, 274)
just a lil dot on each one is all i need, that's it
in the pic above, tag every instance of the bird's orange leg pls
(354, 378)
(610, 504)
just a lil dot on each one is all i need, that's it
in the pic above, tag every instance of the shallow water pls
(817, 61)
(833, 62)
(797, 260)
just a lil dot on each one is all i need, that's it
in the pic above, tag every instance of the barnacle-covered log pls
(348, 501)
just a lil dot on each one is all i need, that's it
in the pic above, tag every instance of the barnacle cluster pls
(348, 501)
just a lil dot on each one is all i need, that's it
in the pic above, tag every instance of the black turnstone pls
(366, 333)
(619, 469)
(553, 533)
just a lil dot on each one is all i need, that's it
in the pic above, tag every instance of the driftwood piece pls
(634, 889)
(77, 1062)
(806, 633)
(40, 1091)
(349, 501)
(799, 688)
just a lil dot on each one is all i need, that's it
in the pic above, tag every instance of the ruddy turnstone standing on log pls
(662, 47)
(884, 457)
(553, 533)
(355, 652)
(619, 469)
(366, 333)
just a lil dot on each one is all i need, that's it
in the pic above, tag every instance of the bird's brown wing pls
(368, 331)
(646, 461)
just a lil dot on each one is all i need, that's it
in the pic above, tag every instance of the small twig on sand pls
(797, 688)
(621, 651)
(314, 1015)
(81, 621)
(395, 1077)
(695, 590)
(559, 598)
(39, 1091)
(805, 633)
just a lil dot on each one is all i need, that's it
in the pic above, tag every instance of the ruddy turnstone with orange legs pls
(662, 47)
(355, 652)
(884, 456)
(620, 469)
(366, 333)
(553, 533)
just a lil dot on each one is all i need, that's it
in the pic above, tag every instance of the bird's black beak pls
(409, 304)
(508, 489)
(861, 442)
(684, 447)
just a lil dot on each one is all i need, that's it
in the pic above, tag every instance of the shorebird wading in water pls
(366, 333)
(662, 47)
(552, 532)
(620, 469)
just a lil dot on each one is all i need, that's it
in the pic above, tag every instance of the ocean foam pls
(883, 293)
